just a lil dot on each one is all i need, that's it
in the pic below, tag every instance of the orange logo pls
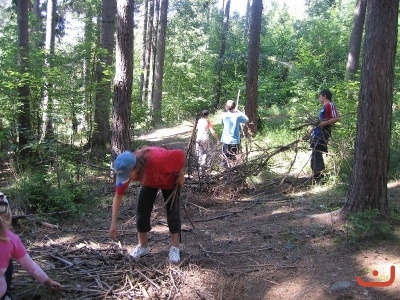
(377, 284)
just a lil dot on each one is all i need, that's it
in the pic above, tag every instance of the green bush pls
(367, 224)
(42, 192)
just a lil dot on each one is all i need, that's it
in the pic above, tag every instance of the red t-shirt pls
(160, 170)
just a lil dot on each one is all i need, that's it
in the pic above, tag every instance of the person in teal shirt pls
(230, 138)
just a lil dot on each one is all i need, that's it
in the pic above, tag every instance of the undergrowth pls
(368, 225)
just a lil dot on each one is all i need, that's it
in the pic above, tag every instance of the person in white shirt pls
(203, 128)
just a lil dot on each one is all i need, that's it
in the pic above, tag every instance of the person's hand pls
(113, 232)
(51, 284)
(180, 179)
(305, 138)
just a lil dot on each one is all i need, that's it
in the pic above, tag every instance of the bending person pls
(156, 169)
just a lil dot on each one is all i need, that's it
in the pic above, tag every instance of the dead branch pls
(33, 219)
(68, 263)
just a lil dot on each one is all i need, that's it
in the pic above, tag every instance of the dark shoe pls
(319, 179)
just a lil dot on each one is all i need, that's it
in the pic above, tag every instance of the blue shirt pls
(231, 132)
(327, 112)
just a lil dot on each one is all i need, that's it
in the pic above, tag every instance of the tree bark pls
(252, 67)
(159, 70)
(122, 102)
(246, 23)
(24, 126)
(153, 52)
(220, 61)
(149, 49)
(144, 51)
(87, 120)
(47, 105)
(368, 183)
(102, 132)
(355, 39)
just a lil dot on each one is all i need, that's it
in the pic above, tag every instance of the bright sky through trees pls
(296, 7)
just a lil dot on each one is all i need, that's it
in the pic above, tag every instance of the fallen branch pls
(33, 219)
(148, 279)
(68, 263)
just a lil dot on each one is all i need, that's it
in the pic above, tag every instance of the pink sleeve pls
(18, 249)
(32, 268)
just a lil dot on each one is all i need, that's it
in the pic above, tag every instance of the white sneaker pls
(140, 251)
(174, 256)
(7, 296)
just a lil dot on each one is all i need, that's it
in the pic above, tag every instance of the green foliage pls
(56, 180)
(368, 225)
(40, 193)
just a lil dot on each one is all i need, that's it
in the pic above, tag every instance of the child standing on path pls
(156, 169)
(11, 247)
(203, 128)
(321, 133)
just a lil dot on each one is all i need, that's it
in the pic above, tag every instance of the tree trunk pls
(47, 105)
(102, 132)
(144, 51)
(252, 67)
(159, 70)
(24, 126)
(149, 48)
(87, 121)
(355, 39)
(122, 102)
(153, 53)
(220, 61)
(368, 183)
(246, 23)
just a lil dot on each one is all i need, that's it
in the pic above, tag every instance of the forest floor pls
(275, 241)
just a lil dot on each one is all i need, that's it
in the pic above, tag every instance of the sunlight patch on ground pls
(281, 210)
(393, 184)
(296, 288)
(381, 261)
(322, 218)
(162, 133)
(66, 239)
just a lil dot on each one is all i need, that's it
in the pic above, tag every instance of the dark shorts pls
(317, 161)
(229, 153)
(318, 148)
(145, 204)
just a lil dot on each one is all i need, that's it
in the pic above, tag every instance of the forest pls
(83, 80)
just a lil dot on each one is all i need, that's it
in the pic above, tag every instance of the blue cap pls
(123, 165)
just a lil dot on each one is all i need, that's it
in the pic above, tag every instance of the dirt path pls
(264, 245)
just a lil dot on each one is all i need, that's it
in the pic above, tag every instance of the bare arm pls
(113, 233)
(36, 272)
(180, 179)
(215, 135)
(329, 122)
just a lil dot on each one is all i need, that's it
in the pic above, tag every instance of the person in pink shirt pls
(156, 169)
(11, 247)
